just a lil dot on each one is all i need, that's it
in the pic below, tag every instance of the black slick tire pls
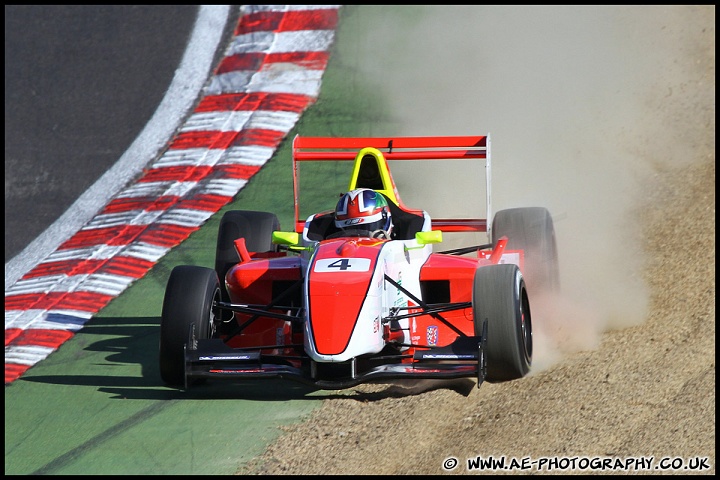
(500, 298)
(188, 314)
(531, 229)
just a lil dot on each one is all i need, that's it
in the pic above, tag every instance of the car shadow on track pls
(126, 342)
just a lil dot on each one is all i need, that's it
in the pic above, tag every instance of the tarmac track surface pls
(81, 82)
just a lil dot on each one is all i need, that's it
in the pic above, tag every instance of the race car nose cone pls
(347, 249)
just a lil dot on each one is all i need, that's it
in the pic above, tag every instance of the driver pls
(364, 212)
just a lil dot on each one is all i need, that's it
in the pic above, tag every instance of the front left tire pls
(500, 299)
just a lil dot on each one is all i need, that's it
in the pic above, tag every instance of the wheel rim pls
(214, 316)
(526, 327)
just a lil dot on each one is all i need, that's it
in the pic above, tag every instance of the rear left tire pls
(531, 229)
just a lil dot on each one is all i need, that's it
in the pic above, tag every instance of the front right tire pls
(188, 314)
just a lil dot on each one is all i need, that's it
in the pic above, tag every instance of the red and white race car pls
(335, 308)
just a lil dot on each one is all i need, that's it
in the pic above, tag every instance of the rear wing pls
(378, 150)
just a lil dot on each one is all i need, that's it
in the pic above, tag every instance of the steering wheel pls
(359, 233)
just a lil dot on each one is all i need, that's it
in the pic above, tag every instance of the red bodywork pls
(303, 316)
(252, 282)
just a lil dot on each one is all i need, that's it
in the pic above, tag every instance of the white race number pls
(342, 265)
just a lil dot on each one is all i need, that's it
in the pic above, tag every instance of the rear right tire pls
(256, 228)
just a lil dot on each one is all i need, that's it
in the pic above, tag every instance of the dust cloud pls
(580, 121)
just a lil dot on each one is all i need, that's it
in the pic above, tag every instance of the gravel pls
(611, 389)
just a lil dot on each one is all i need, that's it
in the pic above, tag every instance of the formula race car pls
(358, 293)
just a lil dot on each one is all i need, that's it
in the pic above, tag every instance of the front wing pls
(463, 358)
